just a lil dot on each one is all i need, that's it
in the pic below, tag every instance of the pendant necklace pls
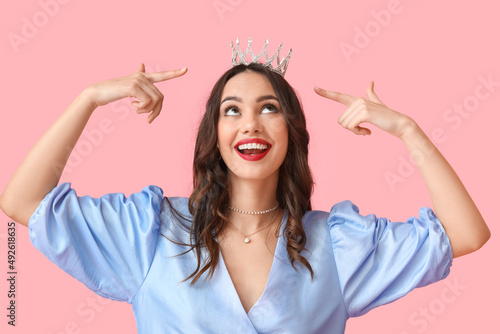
(246, 237)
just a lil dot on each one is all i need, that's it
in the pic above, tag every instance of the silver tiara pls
(281, 65)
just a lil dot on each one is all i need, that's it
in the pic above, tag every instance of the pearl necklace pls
(254, 212)
(247, 239)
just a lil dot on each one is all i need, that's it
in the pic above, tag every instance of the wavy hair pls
(210, 197)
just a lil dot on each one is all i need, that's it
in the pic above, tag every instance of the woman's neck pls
(252, 195)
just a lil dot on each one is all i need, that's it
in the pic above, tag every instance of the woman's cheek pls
(278, 125)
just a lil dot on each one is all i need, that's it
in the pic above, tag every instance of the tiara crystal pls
(281, 65)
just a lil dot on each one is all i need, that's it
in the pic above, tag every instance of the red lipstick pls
(253, 157)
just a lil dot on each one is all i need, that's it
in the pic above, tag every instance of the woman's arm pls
(41, 170)
(452, 203)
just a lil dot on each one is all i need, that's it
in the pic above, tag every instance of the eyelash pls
(267, 106)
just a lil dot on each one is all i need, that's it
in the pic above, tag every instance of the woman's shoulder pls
(321, 226)
(175, 215)
(320, 218)
(177, 202)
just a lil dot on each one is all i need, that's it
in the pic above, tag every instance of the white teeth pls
(252, 146)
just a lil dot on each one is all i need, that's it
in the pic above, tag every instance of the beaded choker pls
(246, 237)
(254, 212)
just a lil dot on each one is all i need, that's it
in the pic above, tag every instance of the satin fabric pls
(122, 248)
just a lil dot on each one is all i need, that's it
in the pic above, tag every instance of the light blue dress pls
(118, 247)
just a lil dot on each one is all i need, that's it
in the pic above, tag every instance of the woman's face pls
(252, 131)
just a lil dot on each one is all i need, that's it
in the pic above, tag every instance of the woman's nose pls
(251, 123)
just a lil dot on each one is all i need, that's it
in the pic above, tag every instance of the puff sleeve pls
(107, 243)
(379, 261)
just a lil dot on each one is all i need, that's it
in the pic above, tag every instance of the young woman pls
(245, 253)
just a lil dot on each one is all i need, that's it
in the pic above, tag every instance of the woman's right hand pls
(137, 85)
(41, 169)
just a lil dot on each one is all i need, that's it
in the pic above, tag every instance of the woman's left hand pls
(371, 110)
(452, 204)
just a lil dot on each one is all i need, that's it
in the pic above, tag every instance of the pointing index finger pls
(335, 96)
(165, 75)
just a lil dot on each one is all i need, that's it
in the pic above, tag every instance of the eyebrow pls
(260, 99)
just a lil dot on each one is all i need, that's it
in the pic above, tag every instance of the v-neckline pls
(276, 259)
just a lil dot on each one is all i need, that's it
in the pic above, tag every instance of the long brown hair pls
(210, 197)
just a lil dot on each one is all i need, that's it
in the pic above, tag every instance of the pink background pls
(425, 58)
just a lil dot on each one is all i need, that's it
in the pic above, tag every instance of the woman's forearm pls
(452, 203)
(41, 169)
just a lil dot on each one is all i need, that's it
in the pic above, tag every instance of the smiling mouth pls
(252, 148)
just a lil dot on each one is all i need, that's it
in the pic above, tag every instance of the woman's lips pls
(248, 148)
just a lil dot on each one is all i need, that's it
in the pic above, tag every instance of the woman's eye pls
(269, 108)
(231, 111)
